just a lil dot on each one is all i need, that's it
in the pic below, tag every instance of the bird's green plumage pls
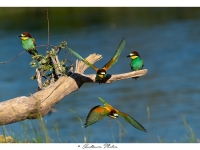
(82, 59)
(29, 45)
(115, 58)
(96, 113)
(119, 50)
(132, 121)
(136, 64)
(103, 101)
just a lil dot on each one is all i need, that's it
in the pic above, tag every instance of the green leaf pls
(47, 67)
(33, 63)
(33, 77)
(39, 56)
(63, 44)
(52, 52)
(43, 61)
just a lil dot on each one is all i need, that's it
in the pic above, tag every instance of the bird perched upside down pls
(99, 112)
(101, 73)
(136, 62)
(28, 43)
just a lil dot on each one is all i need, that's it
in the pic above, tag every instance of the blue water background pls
(159, 100)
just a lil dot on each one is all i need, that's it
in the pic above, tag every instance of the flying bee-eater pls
(136, 62)
(28, 43)
(101, 73)
(99, 112)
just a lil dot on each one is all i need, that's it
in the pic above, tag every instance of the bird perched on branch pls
(136, 62)
(101, 73)
(28, 43)
(99, 112)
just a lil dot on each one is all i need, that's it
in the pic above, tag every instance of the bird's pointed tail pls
(103, 101)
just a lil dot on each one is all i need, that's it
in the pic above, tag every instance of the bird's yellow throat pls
(101, 76)
(24, 38)
(133, 57)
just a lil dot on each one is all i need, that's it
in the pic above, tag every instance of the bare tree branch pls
(56, 66)
(41, 102)
(39, 79)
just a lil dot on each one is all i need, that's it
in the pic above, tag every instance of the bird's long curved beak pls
(128, 56)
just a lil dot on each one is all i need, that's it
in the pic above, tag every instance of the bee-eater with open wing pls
(101, 73)
(99, 112)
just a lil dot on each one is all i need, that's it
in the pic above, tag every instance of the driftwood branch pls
(41, 102)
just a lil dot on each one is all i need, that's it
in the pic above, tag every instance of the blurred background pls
(165, 100)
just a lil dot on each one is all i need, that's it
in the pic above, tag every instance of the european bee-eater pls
(28, 43)
(99, 112)
(101, 73)
(136, 62)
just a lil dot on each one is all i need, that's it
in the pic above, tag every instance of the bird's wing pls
(34, 41)
(115, 58)
(82, 59)
(96, 113)
(142, 64)
(132, 121)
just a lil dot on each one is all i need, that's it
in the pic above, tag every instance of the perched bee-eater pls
(28, 43)
(101, 73)
(99, 112)
(136, 62)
